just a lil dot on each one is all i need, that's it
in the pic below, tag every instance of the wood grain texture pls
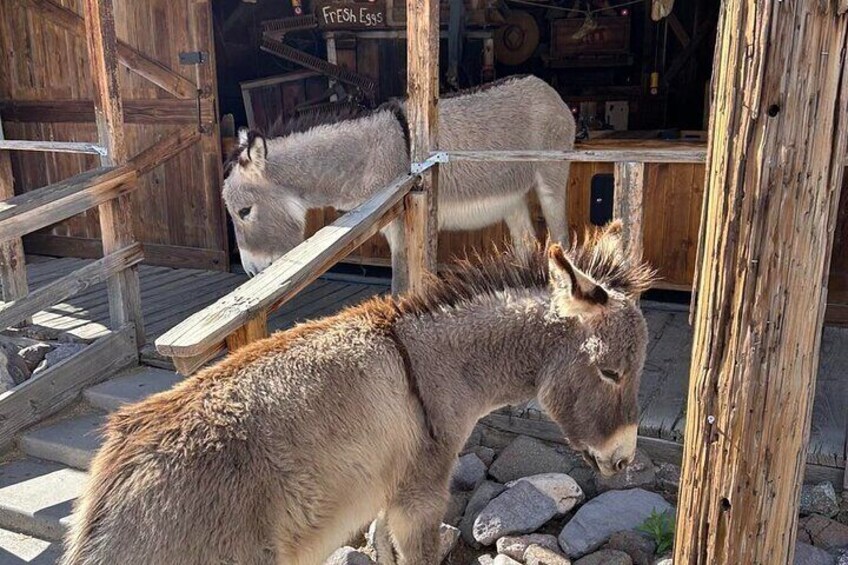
(51, 146)
(116, 215)
(144, 66)
(60, 385)
(771, 206)
(256, 328)
(422, 88)
(69, 285)
(627, 203)
(13, 276)
(286, 277)
(647, 155)
(156, 111)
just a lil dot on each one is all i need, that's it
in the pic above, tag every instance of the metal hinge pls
(193, 57)
(438, 157)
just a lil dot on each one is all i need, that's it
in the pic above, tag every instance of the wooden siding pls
(177, 205)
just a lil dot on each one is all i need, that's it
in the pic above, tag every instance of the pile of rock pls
(21, 358)
(540, 504)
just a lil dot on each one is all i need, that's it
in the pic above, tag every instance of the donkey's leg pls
(521, 228)
(551, 188)
(396, 236)
(382, 541)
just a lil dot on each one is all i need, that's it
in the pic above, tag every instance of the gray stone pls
(495, 438)
(505, 560)
(538, 555)
(484, 560)
(527, 456)
(456, 508)
(585, 477)
(36, 497)
(664, 561)
(842, 558)
(561, 488)
(668, 477)
(58, 354)
(486, 454)
(605, 557)
(73, 441)
(819, 499)
(473, 440)
(519, 510)
(12, 365)
(468, 473)
(448, 536)
(610, 512)
(806, 554)
(640, 473)
(640, 548)
(515, 546)
(7, 382)
(21, 549)
(34, 354)
(479, 500)
(348, 556)
(130, 387)
(823, 532)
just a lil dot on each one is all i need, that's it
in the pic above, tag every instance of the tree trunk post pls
(775, 162)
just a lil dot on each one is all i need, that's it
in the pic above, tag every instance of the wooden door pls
(45, 93)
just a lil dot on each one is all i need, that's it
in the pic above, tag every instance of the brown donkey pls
(283, 450)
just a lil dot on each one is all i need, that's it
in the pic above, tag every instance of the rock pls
(473, 440)
(456, 508)
(495, 438)
(57, 355)
(538, 555)
(841, 559)
(486, 454)
(505, 560)
(640, 473)
(664, 561)
(13, 369)
(448, 536)
(819, 499)
(561, 488)
(515, 546)
(823, 532)
(527, 456)
(479, 500)
(806, 554)
(484, 560)
(668, 477)
(607, 514)
(348, 556)
(605, 557)
(640, 549)
(519, 510)
(34, 354)
(585, 477)
(468, 473)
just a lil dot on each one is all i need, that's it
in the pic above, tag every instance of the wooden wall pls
(179, 215)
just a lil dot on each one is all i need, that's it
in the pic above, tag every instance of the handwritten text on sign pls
(350, 15)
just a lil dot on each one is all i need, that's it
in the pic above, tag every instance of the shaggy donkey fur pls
(281, 451)
(320, 162)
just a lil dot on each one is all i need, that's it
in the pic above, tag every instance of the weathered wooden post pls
(116, 221)
(13, 274)
(422, 20)
(776, 157)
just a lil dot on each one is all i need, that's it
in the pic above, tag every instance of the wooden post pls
(116, 219)
(627, 204)
(421, 218)
(253, 330)
(776, 156)
(13, 275)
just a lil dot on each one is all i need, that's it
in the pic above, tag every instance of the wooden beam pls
(134, 60)
(160, 153)
(13, 275)
(422, 72)
(678, 30)
(51, 146)
(682, 155)
(627, 203)
(59, 386)
(288, 275)
(771, 204)
(116, 217)
(163, 111)
(36, 209)
(256, 328)
(69, 285)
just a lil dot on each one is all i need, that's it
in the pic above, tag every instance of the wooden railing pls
(241, 316)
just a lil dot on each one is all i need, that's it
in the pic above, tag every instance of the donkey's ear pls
(254, 150)
(574, 292)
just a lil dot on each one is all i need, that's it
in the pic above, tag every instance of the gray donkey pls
(273, 182)
(284, 449)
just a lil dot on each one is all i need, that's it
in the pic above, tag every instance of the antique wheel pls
(517, 38)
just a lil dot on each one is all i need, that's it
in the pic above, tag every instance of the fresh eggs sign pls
(350, 15)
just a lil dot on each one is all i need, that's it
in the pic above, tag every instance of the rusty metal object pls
(517, 38)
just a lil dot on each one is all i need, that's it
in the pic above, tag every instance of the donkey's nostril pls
(621, 464)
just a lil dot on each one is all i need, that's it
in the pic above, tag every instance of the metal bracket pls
(433, 159)
(193, 57)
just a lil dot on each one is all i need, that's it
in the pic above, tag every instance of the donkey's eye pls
(244, 212)
(611, 375)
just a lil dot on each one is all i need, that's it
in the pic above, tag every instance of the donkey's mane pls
(501, 269)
